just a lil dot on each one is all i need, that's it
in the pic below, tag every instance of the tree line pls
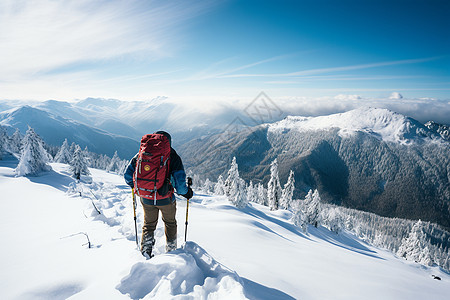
(35, 155)
(423, 242)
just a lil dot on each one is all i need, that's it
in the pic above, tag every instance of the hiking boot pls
(148, 241)
(171, 245)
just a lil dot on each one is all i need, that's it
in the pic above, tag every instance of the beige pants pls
(168, 212)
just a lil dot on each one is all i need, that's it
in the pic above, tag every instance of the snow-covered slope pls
(380, 123)
(231, 254)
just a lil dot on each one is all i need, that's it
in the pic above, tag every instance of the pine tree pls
(88, 156)
(207, 186)
(298, 216)
(288, 192)
(4, 141)
(78, 164)
(252, 192)
(197, 182)
(333, 218)
(114, 164)
(72, 148)
(262, 195)
(233, 176)
(104, 162)
(274, 187)
(413, 247)
(16, 141)
(239, 193)
(123, 166)
(312, 204)
(33, 158)
(63, 156)
(219, 188)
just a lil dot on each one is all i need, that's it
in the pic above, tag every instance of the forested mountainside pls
(368, 159)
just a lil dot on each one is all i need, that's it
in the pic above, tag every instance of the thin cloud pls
(211, 72)
(337, 69)
(44, 35)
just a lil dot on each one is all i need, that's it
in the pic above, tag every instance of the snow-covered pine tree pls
(219, 187)
(88, 156)
(239, 193)
(72, 148)
(414, 246)
(33, 157)
(208, 186)
(233, 176)
(114, 164)
(312, 210)
(288, 192)
(333, 219)
(4, 141)
(78, 164)
(262, 195)
(16, 141)
(123, 167)
(64, 156)
(103, 162)
(252, 192)
(274, 187)
(298, 216)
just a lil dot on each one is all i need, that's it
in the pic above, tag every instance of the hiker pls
(163, 199)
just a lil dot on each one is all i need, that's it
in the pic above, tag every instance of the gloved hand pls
(189, 193)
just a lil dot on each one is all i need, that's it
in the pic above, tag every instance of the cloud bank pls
(423, 109)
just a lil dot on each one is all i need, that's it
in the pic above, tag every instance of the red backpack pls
(151, 177)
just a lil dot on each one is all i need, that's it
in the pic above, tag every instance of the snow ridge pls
(380, 123)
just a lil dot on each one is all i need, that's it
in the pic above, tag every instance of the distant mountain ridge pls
(369, 159)
(54, 129)
(128, 119)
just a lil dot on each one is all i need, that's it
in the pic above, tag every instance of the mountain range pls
(370, 159)
(107, 125)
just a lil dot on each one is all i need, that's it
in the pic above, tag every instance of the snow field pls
(231, 253)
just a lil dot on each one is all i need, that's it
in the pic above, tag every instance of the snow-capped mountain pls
(370, 159)
(249, 253)
(54, 129)
(130, 119)
(382, 124)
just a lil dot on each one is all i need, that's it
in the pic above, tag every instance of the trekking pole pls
(189, 183)
(134, 210)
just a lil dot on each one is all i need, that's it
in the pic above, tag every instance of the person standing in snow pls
(167, 206)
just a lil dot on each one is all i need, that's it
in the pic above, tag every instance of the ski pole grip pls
(189, 181)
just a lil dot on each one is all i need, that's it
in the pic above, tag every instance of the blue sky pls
(224, 50)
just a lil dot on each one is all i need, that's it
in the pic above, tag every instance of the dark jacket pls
(177, 178)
